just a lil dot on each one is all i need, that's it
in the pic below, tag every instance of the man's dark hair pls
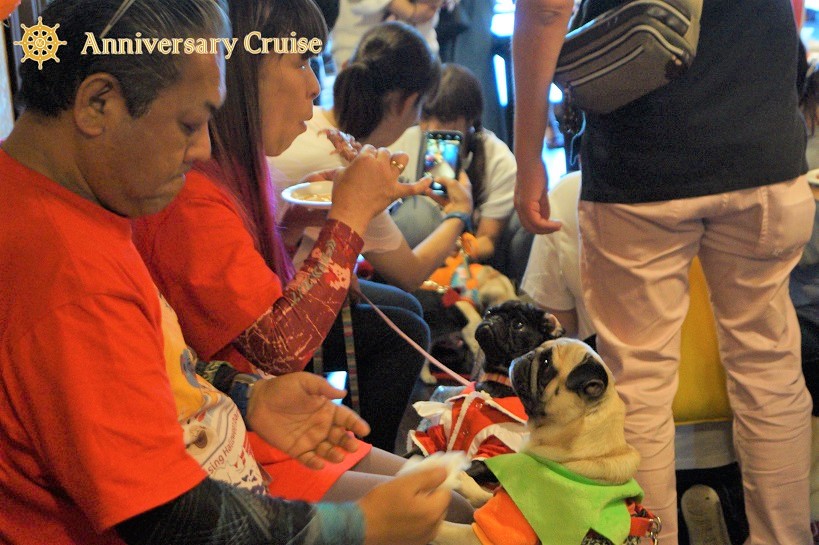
(141, 76)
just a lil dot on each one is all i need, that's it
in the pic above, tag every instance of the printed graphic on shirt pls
(212, 427)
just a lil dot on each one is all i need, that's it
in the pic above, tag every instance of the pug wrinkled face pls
(559, 381)
(511, 329)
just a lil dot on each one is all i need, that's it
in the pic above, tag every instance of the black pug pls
(507, 331)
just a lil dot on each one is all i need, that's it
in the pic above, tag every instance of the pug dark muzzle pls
(532, 373)
(510, 330)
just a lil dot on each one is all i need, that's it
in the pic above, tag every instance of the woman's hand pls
(298, 218)
(458, 196)
(369, 185)
(532, 200)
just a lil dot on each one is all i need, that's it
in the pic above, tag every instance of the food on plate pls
(308, 194)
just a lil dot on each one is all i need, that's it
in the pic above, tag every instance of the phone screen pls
(440, 155)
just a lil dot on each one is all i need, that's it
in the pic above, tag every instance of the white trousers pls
(634, 267)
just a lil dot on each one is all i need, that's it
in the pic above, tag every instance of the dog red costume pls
(474, 422)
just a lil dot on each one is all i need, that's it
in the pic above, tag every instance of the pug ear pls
(551, 327)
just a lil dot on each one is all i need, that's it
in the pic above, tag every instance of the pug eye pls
(517, 326)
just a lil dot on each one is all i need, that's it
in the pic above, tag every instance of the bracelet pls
(464, 217)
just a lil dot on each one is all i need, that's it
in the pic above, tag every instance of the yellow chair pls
(701, 395)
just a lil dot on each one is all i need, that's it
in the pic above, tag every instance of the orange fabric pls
(471, 422)
(82, 366)
(290, 480)
(443, 275)
(201, 237)
(798, 12)
(500, 522)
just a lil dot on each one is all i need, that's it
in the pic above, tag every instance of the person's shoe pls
(703, 516)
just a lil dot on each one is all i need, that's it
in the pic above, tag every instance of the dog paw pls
(426, 375)
(474, 493)
(454, 462)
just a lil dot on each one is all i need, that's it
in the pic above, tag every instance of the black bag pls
(627, 52)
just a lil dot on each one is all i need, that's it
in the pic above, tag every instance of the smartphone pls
(441, 156)
(337, 379)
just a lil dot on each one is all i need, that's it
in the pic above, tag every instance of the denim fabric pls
(387, 365)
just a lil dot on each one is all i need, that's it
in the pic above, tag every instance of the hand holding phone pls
(440, 156)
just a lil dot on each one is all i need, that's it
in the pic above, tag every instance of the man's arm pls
(405, 511)
(540, 27)
(216, 512)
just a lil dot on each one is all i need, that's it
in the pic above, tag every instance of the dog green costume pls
(558, 506)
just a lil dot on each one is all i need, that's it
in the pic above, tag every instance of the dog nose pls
(524, 360)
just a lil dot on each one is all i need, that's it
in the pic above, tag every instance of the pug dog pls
(492, 288)
(488, 419)
(575, 422)
(509, 330)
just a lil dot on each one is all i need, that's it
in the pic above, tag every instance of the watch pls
(240, 391)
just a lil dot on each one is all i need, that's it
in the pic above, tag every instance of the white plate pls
(306, 194)
(813, 176)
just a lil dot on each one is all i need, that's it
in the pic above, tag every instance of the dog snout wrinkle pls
(530, 374)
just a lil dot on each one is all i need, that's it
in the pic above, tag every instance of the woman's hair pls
(459, 96)
(391, 56)
(238, 161)
(50, 88)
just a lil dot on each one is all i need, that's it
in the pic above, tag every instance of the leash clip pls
(655, 529)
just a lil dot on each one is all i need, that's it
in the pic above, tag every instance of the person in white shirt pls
(488, 162)
(355, 17)
(376, 98)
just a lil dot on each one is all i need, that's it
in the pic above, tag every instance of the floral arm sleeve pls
(285, 337)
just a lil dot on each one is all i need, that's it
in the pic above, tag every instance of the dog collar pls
(497, 377)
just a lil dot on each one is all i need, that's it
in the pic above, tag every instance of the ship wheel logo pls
(40, 42)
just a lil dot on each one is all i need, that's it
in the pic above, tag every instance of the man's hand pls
(295, 414)
(407, 510)
(532, 200)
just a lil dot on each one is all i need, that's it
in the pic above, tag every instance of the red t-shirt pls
(206, 265)
(208, 268)
(88, 422)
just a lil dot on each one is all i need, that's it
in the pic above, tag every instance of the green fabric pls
(562, 506)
